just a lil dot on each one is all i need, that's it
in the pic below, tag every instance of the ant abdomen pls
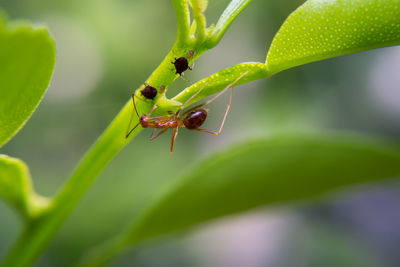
(195, 119)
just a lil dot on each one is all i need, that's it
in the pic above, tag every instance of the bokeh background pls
(105, 48)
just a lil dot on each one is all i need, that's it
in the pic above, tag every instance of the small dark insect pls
(191, 119)
(149, 92)
(181, 64)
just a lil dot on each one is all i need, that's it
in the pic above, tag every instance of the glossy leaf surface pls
(321, 29)
(27, 57)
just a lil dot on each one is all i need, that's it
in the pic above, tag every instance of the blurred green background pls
(105, 48)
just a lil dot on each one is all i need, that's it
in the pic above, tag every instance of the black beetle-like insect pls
(149, 92)
(181, 64)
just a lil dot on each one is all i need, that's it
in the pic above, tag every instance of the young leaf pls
(279, 169)
(15, 183)
(27, 57)
(230, 13)
(321, 29)
(220, 80)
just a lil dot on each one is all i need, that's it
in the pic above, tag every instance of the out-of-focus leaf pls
(273, 170)
(321, 29)
(15, 183)
(27, 57)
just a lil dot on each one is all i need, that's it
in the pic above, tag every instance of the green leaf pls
(263, 172)
(16, 188)
(15, 183)
(321, 29)
(27, 57)
(228, 16)
(219, 81)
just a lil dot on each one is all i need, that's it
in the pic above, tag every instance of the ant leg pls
(191, 109)
(152, 133)
(128, 132)
(191, 66)
(207, 131)
(157, 118)
(152, 137)
(130, 120)
(174, 134)
(223, 120)
(181, 76)
(226, 88)
(216, 96)
(153, 108)
(190, 98)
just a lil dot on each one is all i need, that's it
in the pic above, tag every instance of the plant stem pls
(230, 13)
(102, 254)
(200, 23)
(39, 232)
(41, 229)
(183, 20)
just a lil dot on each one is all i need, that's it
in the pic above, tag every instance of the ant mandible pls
(191, 119)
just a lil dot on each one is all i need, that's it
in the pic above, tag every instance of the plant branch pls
(215, 83)
(40, 231)
(183, 21)
(228, 16)
(198, 8)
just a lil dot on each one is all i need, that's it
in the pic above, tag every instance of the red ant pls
(191, 119)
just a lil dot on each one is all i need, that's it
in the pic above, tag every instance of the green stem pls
(218, 81)
(41, 229)
(228, 16)
(39, 232)
(183, 20)
(200, 24)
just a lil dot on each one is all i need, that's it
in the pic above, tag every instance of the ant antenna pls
(134, 105)
(130, 120)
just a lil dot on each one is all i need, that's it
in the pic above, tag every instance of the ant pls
(191, 119)
(181, 64)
